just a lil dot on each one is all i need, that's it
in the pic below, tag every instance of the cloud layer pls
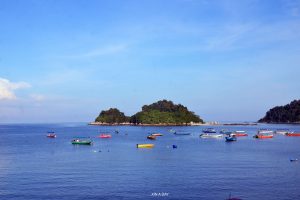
(7, 88)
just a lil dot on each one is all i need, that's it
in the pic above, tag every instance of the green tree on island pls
(165, 112)
(112, 115)
(289, 113)
(162, 112)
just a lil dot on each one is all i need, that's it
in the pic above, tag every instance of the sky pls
(66, 60)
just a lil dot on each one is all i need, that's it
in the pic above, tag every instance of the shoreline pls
(132, 124)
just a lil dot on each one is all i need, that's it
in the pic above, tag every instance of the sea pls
(34, 167)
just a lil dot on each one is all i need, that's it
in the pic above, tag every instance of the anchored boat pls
(282, 131)
(151, 137)
(144, 145)
(51, 134)
(240, 133)
(209, 130)
(104, 136)
(182, 133)
(157, 134)
(231, 138)
(82, 141)
(211, 135)
(292, 134)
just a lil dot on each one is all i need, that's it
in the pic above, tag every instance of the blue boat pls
(182, 133)
(209, 130)
(231, 138)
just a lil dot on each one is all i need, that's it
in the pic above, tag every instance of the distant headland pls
(289, 113)
(160, 113)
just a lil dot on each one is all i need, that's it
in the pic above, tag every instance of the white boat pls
(210, 135)
(265, 131)
(282, 131)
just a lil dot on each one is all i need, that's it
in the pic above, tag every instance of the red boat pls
(292, 134)
(263, 136)
(51, 135)
(104, 136)
(240, 133)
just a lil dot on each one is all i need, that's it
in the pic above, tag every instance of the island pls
(289, 113)
(160, 113)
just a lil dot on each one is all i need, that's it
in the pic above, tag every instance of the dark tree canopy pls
(113, 115)
(289, 113)
(165, 112)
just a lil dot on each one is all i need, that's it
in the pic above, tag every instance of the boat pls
(104, 136)
(282, 131)
(230, 138)
(209, 130)
(292, 134)
(211, 135)
(294, 159)
(224, 131)
(82, 141)
(265, 131)
(263, 135)
(157, 134)
(151, 137)
(51, 134)
(240, 133)
(182, 133)
(144, 145)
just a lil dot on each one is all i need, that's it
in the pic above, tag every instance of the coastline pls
(133, 124)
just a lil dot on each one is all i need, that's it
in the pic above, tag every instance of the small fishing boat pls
(151, 137)
(224, 131)
(157, 134)
(294, 159)
(240, 133)
(144, 145)
(265, 131)
(182, 133)
(209, 130)
(292, 134)
(264, 135)
(104, 136)
(82, 141)
(211, 135)
(230, 138)
(282, 131)
(51, 134)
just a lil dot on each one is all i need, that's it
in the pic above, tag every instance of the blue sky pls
(64, 61)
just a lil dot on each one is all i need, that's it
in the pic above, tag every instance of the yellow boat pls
(144, 145)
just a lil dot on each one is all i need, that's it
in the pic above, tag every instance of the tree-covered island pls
(161, 113)
(289, 113)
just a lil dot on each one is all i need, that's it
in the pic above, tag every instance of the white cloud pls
(7, 88)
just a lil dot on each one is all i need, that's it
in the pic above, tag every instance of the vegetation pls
(289, 113)
(112, 116)
(161, 112)
(165, 112)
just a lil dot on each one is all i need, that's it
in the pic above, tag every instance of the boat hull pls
(144, 145)
(263, 136)
(292, 134)
(82, 143)
(230, 139)
(205, 135)
(151, 137)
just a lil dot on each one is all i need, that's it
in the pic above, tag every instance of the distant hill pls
(159, 113)
(165, 112)
(289, 113)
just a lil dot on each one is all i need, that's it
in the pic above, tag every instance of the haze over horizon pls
(67, 60)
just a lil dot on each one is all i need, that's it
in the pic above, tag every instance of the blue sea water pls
(33, 166)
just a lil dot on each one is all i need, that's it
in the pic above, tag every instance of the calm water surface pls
(35, 167)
